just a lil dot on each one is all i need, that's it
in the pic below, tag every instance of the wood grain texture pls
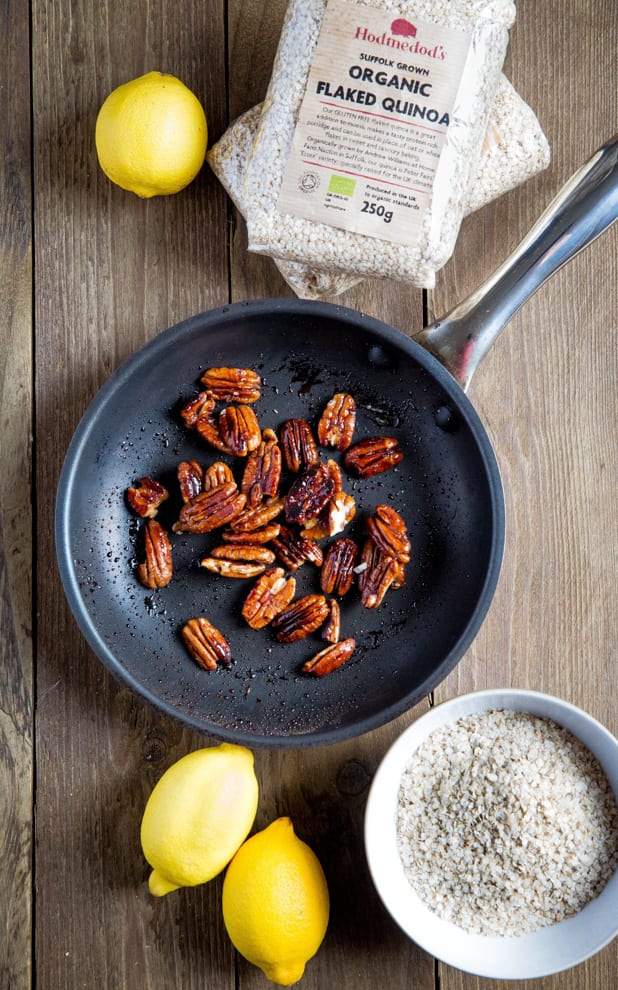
(547, 392)
(16, 684)
(111, 271)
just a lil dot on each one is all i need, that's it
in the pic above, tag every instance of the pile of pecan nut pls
(268, 534)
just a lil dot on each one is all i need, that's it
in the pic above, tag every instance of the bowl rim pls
(535, 954)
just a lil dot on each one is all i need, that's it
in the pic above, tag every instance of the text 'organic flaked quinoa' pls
(506, 823)
(514, 149)
(374, 117)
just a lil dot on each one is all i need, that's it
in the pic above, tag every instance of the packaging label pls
(373, 121)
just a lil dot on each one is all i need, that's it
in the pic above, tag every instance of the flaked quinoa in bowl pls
(506, 823)
(491, 833)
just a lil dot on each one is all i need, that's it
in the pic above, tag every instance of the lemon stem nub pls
(160, 885)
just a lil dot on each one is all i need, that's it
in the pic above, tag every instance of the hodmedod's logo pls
(403, 27)
(400, 30)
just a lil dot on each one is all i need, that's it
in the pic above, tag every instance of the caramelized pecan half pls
(337, 422)
(293, 549)
(331, 630)
(209, 510)
(239, 429)
(256, 518)
(156, 570)
(217, 474)
(262, 535)
(232, 384)
(190, 479)
(209, 431)
(301, 618)
(205, 643)
(239, 561)
(389, 532)
(330, 658)
(298, 445)
(336, 474)
(373, 456)
(333, 519)
(311, 491)
(201, 407)
(337, 571)
(146, 497)
(232, 568)
(263, 470)
(248, 552)
(376, 578)
(271, 593)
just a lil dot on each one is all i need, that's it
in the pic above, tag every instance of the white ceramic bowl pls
(540, 953)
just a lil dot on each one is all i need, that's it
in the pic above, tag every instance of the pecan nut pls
(311, 491)
(201, 407)
(232, 568)
(373, 456)
(209, 431)
(293, 549)
(337, 422)
(331, 630)
(260, 516)
(205, 643)
(330, 658)
(389, 532)
(238, 561)
(333, 519)
(379, 574)
(301, 618)
(263, 470)
(156, 570)
(271, 593)
(262, 535)
(190, 479)
(209, 510)
(239, 429)
(298, 445)
(243, 561)
(250, 553)
(146, 497)
(336, 474)
(217, 474)
(338, 568)
(232, 384)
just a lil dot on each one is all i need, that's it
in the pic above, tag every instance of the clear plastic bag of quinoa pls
(514, 149)
(373, 119)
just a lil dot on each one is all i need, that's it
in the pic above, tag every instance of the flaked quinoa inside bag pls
(514, 149)
(374, 116)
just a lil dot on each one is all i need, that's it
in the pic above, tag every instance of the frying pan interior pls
(447, 489)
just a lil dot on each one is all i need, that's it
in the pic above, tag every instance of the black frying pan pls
(447, 488)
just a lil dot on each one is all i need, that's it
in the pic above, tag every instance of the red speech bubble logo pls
(403, 27)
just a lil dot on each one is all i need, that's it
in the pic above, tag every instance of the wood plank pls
(112, 271)
(547, 393)
(16, 688)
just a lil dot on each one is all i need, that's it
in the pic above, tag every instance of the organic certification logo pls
(308, 182)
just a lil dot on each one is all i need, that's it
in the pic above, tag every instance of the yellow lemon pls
(197, 816)
(151, 135)
(275, 902)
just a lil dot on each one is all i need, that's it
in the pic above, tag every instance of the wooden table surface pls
(88, 274)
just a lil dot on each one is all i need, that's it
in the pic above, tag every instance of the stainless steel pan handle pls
(582, 210)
